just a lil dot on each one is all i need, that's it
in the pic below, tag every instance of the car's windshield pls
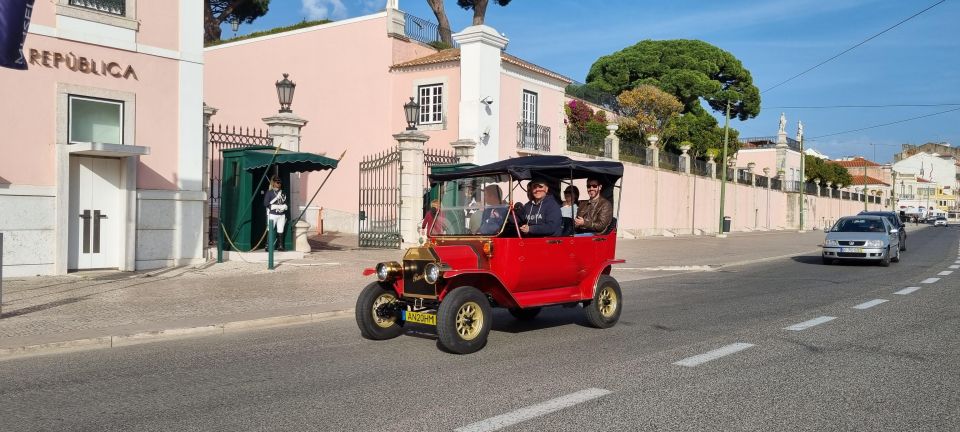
(470, 206)
(859, 225)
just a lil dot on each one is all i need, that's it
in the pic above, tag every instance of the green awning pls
(289, 161)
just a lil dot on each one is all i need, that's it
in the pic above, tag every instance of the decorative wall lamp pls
(285, 90)
(235, 25)
(412, 111)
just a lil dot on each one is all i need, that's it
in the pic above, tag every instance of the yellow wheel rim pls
(607, 302)
(383, 299)
(469, 320)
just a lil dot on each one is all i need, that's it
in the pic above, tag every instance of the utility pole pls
(723, 165)
(803, 175)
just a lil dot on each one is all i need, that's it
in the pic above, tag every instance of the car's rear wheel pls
(603, 311)
(375, 312)
(463, 320)
(525, 314)
(903, 244)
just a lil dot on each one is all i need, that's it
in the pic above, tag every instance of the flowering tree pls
(648, 110)
(586, 128)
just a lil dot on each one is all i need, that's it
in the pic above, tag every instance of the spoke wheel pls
(463, 320)
(603, 311)
(374, 312)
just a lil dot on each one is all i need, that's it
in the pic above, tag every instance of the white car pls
(940, 221)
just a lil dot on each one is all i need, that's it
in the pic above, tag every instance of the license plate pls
(420, 317)
(851, 249)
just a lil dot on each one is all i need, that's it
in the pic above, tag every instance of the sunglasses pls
(593, 186)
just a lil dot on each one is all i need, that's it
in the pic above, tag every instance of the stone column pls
(208, 113)
(285, 128)
(481, 47)
(653, 152)
(712, 167)
(396, 19)
(685, 159)
(411, 144)
(611, 143)
(782, 149)
(753, 176)
(465, 150)
(766, 173)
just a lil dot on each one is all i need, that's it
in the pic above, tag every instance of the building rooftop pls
(869, 181)
(453, 55)
(856, 162)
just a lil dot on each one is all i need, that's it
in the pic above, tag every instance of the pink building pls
(354, 76)
(104, 138)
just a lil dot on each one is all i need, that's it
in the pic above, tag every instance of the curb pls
(102, 342)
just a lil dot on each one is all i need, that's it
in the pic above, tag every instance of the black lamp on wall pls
(412, 111)
(285, 90)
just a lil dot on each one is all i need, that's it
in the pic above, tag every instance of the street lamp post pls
(723, 164)
(803, 175)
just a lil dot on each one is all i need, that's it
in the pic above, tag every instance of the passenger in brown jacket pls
(594, 215)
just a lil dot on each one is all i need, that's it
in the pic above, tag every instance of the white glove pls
(282, 207)
(274, 207)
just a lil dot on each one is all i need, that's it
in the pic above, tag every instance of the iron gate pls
(224, 138)
(380, 195)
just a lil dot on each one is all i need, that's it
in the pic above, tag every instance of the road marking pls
(929, 280)
(807, 324)
(945, 273)
(907, 290)
(713, 355)
(533, 411)
(869, 304)
(955, 266)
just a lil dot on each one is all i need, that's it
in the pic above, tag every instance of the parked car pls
(468, 266)
(862, 237)
(896, 221)
(940, 221)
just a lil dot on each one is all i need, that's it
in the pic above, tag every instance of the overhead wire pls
(885, 124)
(867, 106)
(853, 47)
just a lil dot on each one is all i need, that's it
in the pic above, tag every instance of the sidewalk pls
(96, 310)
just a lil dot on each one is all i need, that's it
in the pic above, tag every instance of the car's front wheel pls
(463, 320)
(885, 261)
(896, 258)
(376, 314)
(603, 311)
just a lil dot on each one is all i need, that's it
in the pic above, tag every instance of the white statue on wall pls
(783, 124)
(800, 131)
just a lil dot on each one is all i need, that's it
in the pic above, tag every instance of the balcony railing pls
(531, 136)
(422, 30)
(115, 7)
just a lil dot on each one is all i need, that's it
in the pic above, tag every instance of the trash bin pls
(726, 224)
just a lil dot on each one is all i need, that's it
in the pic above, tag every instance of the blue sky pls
(915, 63)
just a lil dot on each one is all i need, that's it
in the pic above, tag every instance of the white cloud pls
(370, 6)
(324, 9)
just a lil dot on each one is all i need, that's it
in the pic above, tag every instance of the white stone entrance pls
(95, 217)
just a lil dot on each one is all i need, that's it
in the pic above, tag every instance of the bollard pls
(271, 238)
(219, 243)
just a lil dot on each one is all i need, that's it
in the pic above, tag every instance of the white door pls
(529, 117)
(94, 216)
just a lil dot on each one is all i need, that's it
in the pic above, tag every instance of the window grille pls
(431, 103)
(113, 7)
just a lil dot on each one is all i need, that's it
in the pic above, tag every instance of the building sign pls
(81, 64)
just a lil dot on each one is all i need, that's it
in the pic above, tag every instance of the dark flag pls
(14, 22)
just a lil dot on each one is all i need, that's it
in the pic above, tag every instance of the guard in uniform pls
(276, 204)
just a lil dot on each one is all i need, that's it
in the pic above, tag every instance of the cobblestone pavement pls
(83, 305)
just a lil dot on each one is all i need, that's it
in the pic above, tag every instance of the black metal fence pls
(590, 94)
(426, 31)
(221, 138)
(776, 183)
(762, 181)
(633, 151)
(699, 167)
(669, 161)
(584, 142)
(532, 136)
(810, 188)
(743, 177)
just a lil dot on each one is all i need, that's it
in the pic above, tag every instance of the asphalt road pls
(883, 366)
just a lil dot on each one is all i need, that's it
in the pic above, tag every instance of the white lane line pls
(810, 323)
(955, 266)
(907, 290)
(533, 411)
(945, 273)
(929, 280)
(869, 304)
(713, 355)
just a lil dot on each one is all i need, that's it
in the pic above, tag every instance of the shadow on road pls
(816, 259)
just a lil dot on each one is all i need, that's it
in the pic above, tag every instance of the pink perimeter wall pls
(549, 111)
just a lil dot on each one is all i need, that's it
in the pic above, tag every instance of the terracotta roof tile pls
(859, 180)
(453, 55)
(856, 162)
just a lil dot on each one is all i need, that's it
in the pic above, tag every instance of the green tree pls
(215, 12)
(826, 171)
(479, 8)
(694, 71)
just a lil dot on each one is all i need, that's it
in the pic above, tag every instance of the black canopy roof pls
(551, 167)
